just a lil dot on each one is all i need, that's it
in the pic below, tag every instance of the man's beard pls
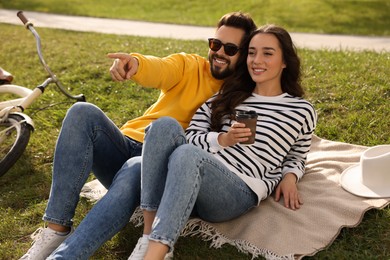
(218, 72)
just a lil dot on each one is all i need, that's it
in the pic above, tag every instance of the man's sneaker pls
(140, 250)
(45, 242)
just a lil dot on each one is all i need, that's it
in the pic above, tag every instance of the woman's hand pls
(288, 189)
(237, 133)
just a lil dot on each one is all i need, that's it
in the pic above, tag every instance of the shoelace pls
(140, 249)
(36, 235)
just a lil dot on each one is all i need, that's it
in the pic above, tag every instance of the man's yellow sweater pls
(185, 82)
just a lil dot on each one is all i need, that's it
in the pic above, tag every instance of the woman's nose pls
(257, 60)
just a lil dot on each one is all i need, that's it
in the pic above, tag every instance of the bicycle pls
(16, 126)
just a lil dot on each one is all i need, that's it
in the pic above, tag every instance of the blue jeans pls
(180, 179)
(89, 141)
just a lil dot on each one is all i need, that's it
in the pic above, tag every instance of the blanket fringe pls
(197, 227)
(137, 218)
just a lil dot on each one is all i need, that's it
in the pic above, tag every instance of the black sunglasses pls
(229, 48)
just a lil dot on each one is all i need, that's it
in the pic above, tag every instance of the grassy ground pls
(350, 91)
(363, 17)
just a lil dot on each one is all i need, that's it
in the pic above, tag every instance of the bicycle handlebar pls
(22, 17)
(29, 26)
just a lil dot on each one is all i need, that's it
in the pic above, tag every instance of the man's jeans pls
(89, 141)
(179, 179)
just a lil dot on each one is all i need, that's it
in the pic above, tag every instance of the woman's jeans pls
(179, 179)
(89, 141)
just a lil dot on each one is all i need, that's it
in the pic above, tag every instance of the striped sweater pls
(285, 125)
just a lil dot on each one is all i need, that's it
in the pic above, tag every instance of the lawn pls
(350, 90)
(360, 17)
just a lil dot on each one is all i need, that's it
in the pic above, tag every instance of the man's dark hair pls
(238, 20)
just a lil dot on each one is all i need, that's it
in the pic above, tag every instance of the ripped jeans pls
(179, 180)
(90, 141)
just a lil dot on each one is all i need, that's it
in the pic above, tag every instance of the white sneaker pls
(140, 250)
(169, 256)
(45, 242)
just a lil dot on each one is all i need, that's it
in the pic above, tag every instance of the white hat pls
(371, 177)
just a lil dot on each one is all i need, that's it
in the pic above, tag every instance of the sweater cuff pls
(296, 172)
(140, 66)
(212, 139)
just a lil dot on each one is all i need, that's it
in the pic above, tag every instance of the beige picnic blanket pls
(275, 232)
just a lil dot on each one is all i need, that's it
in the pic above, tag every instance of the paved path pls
(126, 27)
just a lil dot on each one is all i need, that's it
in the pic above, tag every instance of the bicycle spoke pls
(8, 135)
(14, 137)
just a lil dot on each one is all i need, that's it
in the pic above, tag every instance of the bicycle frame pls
(15, 105)
(28, 96)
(15, 126)
(14, 89)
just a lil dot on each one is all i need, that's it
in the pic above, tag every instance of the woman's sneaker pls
(45, 242)
(169, 255)
(140, 250)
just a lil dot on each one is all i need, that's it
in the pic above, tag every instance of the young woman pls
(214, 176)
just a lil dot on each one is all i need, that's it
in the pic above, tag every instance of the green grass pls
(360, 17)
(350, 90)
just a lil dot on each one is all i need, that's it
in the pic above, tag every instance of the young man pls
(89, 141)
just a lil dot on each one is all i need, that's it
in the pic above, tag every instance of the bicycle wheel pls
(14, 137)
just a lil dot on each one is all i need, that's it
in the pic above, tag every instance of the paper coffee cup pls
(249, 118)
